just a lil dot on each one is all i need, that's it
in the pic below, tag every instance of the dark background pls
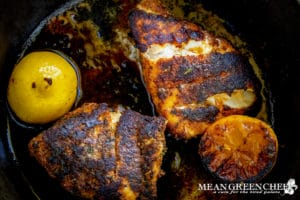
(270, 27)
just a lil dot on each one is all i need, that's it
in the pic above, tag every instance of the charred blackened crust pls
(94, 157)
(218, 73)
(148, 29)
(193, 77)
(137, 135)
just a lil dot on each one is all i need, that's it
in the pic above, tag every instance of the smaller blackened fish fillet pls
(101, 152)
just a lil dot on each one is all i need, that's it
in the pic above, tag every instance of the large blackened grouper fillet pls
(98, 152)
(192, 77)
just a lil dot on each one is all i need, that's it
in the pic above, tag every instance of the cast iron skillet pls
(271, 28)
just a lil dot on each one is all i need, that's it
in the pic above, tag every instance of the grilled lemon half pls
(239, 148)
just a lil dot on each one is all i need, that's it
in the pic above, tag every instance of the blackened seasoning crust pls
(101, 152)
(193, 77)
(157, 29)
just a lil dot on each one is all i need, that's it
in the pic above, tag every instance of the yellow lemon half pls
(42, 87)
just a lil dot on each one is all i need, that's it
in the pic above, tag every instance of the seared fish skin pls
(192, 77)
(98, 152)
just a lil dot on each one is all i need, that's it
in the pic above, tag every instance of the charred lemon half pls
(239, 148)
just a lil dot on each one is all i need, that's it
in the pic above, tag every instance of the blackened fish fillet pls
(192, 77)
(100, 152)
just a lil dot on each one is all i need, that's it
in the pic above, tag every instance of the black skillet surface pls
(271, 28)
